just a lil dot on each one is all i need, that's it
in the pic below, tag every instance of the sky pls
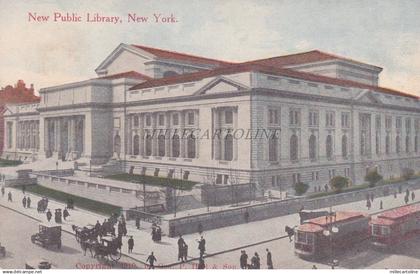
(385, 33)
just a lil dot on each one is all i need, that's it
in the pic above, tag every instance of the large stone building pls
(16, 94)
(302, 117)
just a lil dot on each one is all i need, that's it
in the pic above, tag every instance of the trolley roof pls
(400, 212)
(318, 224)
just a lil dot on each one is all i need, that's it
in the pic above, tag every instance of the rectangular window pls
(225, 179)
(161, 119)
(313, 118)
(229, 117)
(117, 122)
(175, 119)
(273, 117)
(398, 122)
(388, 122)
(190, 118)
(329, 119)
(219, 179)
(345, 120)
(315, 176)
(136, 121)
(294, 117)
(378, 122)
(148, 120)
(9, 134)
(296, 178)
(408, 124)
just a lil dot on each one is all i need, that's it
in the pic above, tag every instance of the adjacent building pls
(304, 117)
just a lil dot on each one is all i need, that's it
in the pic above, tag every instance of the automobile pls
(38, 264)
(48, 234)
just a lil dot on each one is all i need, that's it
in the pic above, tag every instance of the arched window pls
(228, 155)
(272, 148)
(175, 145)
(117, 144)
(191, 146)
(344, 146)
(312, 148)
(294, 148)
(397, 144)
(148, 144)
(161, 145)
(136, 145)
(387, 144)
(169, 73)
(407, 144)
(329, 147)
(416, 144)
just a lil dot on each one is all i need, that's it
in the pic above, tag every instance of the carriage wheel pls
(115, 256)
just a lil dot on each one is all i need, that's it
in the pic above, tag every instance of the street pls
(15, 236)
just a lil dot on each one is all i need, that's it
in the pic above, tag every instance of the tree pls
(300, 188)
(407, 173)
(373, 177)
(337, 183)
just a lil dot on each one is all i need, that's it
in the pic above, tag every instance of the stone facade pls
(267, 122)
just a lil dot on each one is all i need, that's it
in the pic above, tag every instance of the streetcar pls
(319, 237)
(395, 226)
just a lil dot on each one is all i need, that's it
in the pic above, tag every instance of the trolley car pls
(318, 237)
(395, 226)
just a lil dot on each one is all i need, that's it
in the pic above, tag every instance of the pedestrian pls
(65, 213)
(138, 222)
(185, 253)
(201, 263)
(202, 246)
(120, 228)
(413, 196)
(9, 197)
(368, 204)
(371, 197)
(400, 189)
(28, 202)
(97, 226)
(255, 261)
(326, 188)
(269, 259)
(158, 234)
(124, 227)
(2, 191)
(381, 205)
(181, 244)
(243, 260)
(49, 215)
(314, 267)
(154, 238)
(23, 189)
(24, 201)
(130, 244)
(246, 216)
(151, 259)
(395, 195)
(406, 199)
(407, 192)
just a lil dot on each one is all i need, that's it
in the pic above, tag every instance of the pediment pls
(6, 111)
(221, 85)
(367, 97)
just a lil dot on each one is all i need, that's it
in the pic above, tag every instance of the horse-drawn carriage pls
(42, 205)
(85, 233)
(108, 246)
(48, 235)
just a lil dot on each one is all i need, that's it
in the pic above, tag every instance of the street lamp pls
(329, 232)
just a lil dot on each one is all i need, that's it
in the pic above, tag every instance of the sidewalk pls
(217, 241)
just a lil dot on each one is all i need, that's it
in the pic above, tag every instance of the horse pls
(290, 232)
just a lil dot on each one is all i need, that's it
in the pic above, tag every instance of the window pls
(228, 155)
(117, 122)
(329, 119)
(175, 145)
(225, 179)
(219, 178)
(272, 148)
(161, 145)
(296, 178)
(148, 120)
(416, 144)
(148, 143)
(161, 119)
(397, 144)
(175, 119)
(313, 118)
(136, 121)
(294, 148)
(408, 124)
(344, 146)
(345, 120)
(398, 122)
(228, 117)
(388, 122)
(329, 147)
(407, 144)
(378, 122)
(331, 173)
(347, 172)
(9, 134)
(312, 148)
(315, 175)
(387, 144)
(294, 117)
(190, 118)
(377, 143)
(136, 145)
(273, 117)
(117, 144)
(191, 143)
